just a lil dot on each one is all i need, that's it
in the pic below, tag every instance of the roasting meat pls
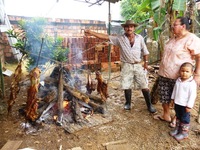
(102, 87)
(15, 88)
(32, 100)
(91, 85)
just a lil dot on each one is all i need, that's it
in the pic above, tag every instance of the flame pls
(65, 103)
(55, 117)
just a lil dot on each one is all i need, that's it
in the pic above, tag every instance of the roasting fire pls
(64, 98)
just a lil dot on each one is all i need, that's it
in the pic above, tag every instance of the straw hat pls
(129, 22)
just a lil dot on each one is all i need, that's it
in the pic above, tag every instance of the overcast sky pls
(68, 9)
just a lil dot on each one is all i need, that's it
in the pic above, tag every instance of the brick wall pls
(82, 49)
(5, 48)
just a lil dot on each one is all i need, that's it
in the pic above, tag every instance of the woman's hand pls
(197, 79)
(171, 104)
(187, 109)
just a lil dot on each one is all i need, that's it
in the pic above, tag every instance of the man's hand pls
(145, 66)
(95, 34)
(87, 32)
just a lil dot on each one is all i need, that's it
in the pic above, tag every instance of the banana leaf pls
(179, 5)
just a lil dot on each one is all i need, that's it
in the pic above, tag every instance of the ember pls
(65, 103)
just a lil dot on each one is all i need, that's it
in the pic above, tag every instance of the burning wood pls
(95, 99)
(77, 83)
(79, 95)
(76, 112)
(60, 100)
(97, 107)
(50, 96)
(86, 98)
(32, 100)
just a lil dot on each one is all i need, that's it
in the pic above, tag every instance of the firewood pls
(45, 101)
(51, 95)
(115, 142)
(95, 99)
(77, 116)
(14, 145)
(96, 107)
(79, 95)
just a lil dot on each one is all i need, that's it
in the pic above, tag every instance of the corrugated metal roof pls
(98, 1)
(112, 1)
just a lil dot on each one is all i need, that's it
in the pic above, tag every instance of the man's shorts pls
(133, 73)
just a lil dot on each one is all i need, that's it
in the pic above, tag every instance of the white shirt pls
(128, 53)
(185, 92)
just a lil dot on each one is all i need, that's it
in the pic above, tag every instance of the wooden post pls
(2, 79)
(40, 52)
(198, 119)
(60, 96)
(109, 47)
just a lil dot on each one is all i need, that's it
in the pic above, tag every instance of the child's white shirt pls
(185, 92)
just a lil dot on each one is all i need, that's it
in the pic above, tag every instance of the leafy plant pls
(162, 12)
(130, 10)
(34, 43)
(60, 53)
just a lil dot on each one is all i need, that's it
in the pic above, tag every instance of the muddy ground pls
(136, 128)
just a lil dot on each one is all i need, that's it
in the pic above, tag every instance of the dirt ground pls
(136, 128)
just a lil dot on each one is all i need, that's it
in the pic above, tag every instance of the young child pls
(184, 95)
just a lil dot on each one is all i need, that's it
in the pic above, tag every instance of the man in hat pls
(132, 50)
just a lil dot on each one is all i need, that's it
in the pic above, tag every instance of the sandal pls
(158, 117)
(172, 125)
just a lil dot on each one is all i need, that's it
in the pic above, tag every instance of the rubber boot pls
(127, 94)
(176, 130)
(183, 134)
(147, 98)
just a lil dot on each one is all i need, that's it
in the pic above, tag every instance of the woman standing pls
(183, 47)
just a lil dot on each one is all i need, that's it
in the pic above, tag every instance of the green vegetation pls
(34, 43)
(159, 14)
